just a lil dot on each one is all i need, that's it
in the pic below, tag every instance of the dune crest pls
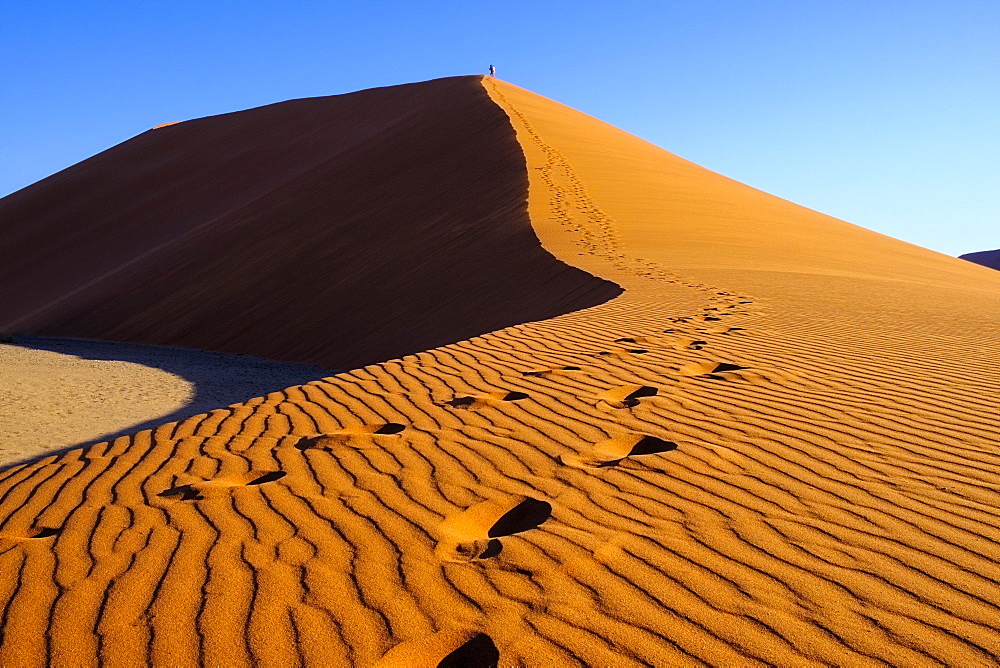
(777, 447)
(338, 231)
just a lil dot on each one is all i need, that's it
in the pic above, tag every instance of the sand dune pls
(989, 259)
(339, 231)
(777, 447)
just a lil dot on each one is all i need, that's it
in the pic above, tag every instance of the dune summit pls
(776, 447)
(339, 231)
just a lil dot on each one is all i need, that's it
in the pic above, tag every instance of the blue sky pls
(884, 113)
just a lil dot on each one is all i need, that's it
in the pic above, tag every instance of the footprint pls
(677, 344)
(685, 344)
(267, 477)
(710, 369)
(473, 533)
(453, 648)
(351, 435)
(490, 399)
(554, 371)
(610, 452)
(621, 353)
(720, 330)
(183, 492)
(626, 396)
(196, 491)
(479, 651)
(33, 533)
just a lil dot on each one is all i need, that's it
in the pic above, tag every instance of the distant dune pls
(778, 446)
(339, 231)
(989, 259)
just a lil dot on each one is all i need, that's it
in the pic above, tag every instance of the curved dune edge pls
(729, 464)
(58, 394)
(341, 231)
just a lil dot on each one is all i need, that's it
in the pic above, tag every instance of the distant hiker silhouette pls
(493, 71)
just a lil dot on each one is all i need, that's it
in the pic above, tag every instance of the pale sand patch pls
(61, 393)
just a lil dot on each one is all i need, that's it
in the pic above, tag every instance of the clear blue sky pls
(885, 113)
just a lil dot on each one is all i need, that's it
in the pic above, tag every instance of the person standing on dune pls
(493, 71)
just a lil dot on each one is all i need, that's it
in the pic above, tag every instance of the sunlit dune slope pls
(340, 230)
(778, 447)
(666, 207)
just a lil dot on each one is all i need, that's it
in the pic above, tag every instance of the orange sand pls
(777, 447)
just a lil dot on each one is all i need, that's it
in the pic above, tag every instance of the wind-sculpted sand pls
(777, 447)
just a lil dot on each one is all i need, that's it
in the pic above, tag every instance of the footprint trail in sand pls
(725, 466)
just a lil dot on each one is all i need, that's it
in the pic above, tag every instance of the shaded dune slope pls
(340, 231)
(768, 451)
(989, 259)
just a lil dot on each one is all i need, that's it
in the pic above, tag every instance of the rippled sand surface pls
(778, 446)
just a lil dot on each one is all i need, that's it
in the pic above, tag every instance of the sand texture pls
(60, 393)
(777, 447)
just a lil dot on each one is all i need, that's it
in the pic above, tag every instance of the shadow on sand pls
(218, 379)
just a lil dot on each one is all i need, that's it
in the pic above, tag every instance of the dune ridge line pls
(761, 453)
